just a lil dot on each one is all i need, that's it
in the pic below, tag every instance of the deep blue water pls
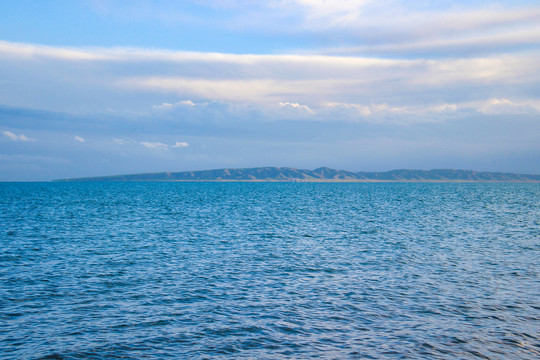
(269, 271)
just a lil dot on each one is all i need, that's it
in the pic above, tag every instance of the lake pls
(269, 270)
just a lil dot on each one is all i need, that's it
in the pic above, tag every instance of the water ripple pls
(269, 271)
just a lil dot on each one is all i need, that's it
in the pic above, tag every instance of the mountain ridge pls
(321, 174)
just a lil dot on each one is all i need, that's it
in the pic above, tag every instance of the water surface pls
(269, 270)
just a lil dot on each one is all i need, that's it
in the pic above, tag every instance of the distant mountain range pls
(323, 174)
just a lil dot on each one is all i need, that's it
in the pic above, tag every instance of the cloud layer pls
(118, 79)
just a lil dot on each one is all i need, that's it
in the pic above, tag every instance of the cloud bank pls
(137, 79)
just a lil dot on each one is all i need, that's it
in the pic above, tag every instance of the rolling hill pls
(320, 174)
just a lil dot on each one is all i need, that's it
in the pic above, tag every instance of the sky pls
(105, 87)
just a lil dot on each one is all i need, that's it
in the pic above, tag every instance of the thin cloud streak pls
(463, 45)
(369, 26)
(15, 137)
(154, 145)
(159, 145)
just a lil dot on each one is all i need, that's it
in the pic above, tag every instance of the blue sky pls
(105, 87)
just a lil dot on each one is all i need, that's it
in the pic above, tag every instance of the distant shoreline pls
(305, 182)
(326, 175)
(298, 181)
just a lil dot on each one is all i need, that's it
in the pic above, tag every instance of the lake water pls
(269, 271)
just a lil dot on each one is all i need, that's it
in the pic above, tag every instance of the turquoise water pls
(269, 271)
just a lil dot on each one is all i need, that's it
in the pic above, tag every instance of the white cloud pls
(374, 113)
(296, 107)
(169, 106)
(15, 137)
(162, 146)
(495, 106)
(428, 112)
(439, 108)
(21, 50)
(24, 138)
(180, 144)
(186, 103)
(79, 139)
(363, 110)
(154, 145)
(11, 135)
(491, 103)
(163, 106)
(377, 112)
(151, 144)
(124, 141)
